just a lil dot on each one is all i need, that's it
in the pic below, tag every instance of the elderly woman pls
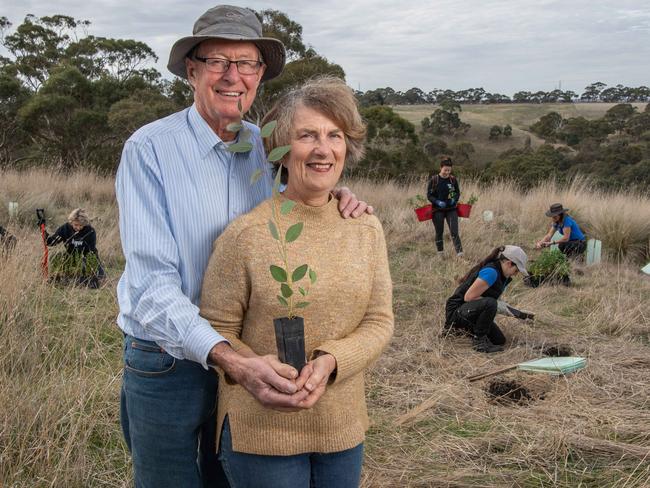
(348, 321)
(473, 306)
(573, 242)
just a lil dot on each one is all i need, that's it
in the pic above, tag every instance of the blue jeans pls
(310, 470)
(168, 419)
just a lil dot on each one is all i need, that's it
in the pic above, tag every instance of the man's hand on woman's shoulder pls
(350, 205)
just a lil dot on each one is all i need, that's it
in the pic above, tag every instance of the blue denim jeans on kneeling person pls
(168, 419)
(310, 470)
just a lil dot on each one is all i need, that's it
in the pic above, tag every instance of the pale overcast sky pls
(502, 45)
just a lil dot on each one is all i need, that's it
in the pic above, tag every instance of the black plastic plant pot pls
(290, 339)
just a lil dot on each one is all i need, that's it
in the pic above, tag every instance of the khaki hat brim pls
(551, 214)
(272, 50)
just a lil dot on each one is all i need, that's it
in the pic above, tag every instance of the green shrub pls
(550, 263)
(75, 265)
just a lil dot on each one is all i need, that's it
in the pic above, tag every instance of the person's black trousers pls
(477, 317)
(573, 248)
(451, 216)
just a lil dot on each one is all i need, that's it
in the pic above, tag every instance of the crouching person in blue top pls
(573, 242)
(473, 306)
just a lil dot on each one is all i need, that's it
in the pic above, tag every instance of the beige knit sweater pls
(350, 316)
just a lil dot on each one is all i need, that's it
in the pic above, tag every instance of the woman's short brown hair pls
(332, 98)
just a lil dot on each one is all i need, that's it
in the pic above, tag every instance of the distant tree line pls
(71, 99)
(614, 150)
(596, 92)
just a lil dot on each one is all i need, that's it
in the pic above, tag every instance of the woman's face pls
(509, 268)
(76, 225)
(445, 171)
(555, 218)
(317, 156)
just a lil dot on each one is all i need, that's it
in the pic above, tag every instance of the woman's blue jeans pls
(168, 419)
(310, 470)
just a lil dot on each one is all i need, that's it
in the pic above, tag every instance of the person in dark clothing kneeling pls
(78, 236)
(443, 192)
(7, 242)
(473, 305)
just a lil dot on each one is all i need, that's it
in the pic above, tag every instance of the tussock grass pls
(60, 352)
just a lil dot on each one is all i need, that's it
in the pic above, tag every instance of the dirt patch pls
(508, 391)
(557, 350)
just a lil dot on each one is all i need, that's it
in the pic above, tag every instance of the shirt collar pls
(205, 137)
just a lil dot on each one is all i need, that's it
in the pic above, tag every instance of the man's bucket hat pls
(231, 24)
(556, 209)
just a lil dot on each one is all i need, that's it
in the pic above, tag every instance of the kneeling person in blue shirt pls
(573, 242)
(473, 305)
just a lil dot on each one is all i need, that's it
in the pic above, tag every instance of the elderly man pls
(178, 187)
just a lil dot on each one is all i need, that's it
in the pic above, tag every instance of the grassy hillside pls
(519, 115)
(60, 352)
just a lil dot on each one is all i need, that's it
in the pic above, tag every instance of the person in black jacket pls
(443, 192)
(7, 241)
(473, 305)
(77, 234)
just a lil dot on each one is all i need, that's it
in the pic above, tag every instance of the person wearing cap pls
(474, 304)
(573, 242)
(177, 189)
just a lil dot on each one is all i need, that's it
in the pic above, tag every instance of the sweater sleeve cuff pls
(200, 340)
(348, 361)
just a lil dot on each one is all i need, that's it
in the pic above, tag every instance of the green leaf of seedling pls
(299, 273)
(293, 232)
(255, 177)
(240, 147)
(267, 130)
(302, 291)
(234, 127)
(278, 273)
(274, 231)
(277, 180)
(286, 290)
(282, 301)
(278, 153)
(312, 276)
(302, 304)
(287, 206)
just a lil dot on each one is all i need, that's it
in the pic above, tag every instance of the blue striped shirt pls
(177, 188)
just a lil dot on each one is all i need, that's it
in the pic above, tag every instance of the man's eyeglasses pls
(220, 65)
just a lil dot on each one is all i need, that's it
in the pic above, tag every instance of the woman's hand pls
(316, 374)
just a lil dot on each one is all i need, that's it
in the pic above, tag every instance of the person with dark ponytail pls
(443, 192)
(473, 306)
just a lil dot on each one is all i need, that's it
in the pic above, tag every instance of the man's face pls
(217, 94)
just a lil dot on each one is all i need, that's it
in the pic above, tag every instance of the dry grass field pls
(520, 116)
(60, 351)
